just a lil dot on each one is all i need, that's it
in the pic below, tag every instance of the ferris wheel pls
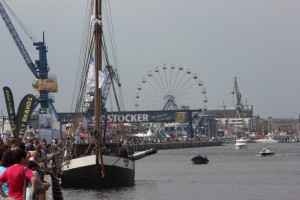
(171, 88)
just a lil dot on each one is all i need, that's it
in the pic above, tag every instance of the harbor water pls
(231, 174)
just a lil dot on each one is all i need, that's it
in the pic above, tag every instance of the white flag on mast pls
(95, 20)
(101, 78)
(90, 78)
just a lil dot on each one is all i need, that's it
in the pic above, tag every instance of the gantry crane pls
(44, 83)
(236, 92)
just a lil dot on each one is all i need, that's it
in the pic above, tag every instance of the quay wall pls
(174, 145)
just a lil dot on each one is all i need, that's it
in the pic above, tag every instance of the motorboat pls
(200, 159)
(266, 140)
(241, 144)
(266, 152)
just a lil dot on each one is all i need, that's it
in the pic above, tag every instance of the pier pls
(54, 191)
(175, 145)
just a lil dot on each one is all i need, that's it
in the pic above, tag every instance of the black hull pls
(267, 154)
(114, 176)
(90, 176)
(199, 160)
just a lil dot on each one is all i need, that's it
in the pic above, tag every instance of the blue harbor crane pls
(44, 83)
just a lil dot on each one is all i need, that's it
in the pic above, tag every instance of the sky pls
(255, 40)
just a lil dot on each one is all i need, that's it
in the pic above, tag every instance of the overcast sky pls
(256, 40)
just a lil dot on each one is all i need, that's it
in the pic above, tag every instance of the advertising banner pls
(9, 100)
(149, 116)
(45, 124)
(25, 109)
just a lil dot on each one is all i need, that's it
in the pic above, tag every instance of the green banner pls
(25, 110)
(10, 109)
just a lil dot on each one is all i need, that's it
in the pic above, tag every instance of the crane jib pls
(17, 40)
(39, 69)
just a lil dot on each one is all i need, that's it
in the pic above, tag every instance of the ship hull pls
(83, 172)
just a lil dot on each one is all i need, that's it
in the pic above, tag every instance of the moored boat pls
(119, 170)
(97, 163)
(85, 172)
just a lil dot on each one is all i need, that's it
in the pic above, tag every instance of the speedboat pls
(200, 159)
(241, 144)
(266, 152)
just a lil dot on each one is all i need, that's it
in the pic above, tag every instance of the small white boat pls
(241, 144)
(266, 152)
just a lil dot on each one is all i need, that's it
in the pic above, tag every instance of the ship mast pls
(98, 65)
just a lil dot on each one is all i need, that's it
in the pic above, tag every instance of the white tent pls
(148, 134)
(270, 134)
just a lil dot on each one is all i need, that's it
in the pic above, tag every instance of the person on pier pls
(16, 175)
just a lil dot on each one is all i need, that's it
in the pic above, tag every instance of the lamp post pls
(231, 128)
(205, 125)
(1, 124)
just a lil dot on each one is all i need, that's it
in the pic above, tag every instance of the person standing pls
(42, 161)
(14, 176)
(40, 190)
(7, 161)
(30, 146)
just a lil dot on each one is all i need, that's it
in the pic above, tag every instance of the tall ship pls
(97, 163)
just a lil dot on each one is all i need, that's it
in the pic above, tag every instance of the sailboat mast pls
(98, 68)
(98, 64)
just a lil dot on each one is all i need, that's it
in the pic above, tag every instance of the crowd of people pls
(23, 165)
